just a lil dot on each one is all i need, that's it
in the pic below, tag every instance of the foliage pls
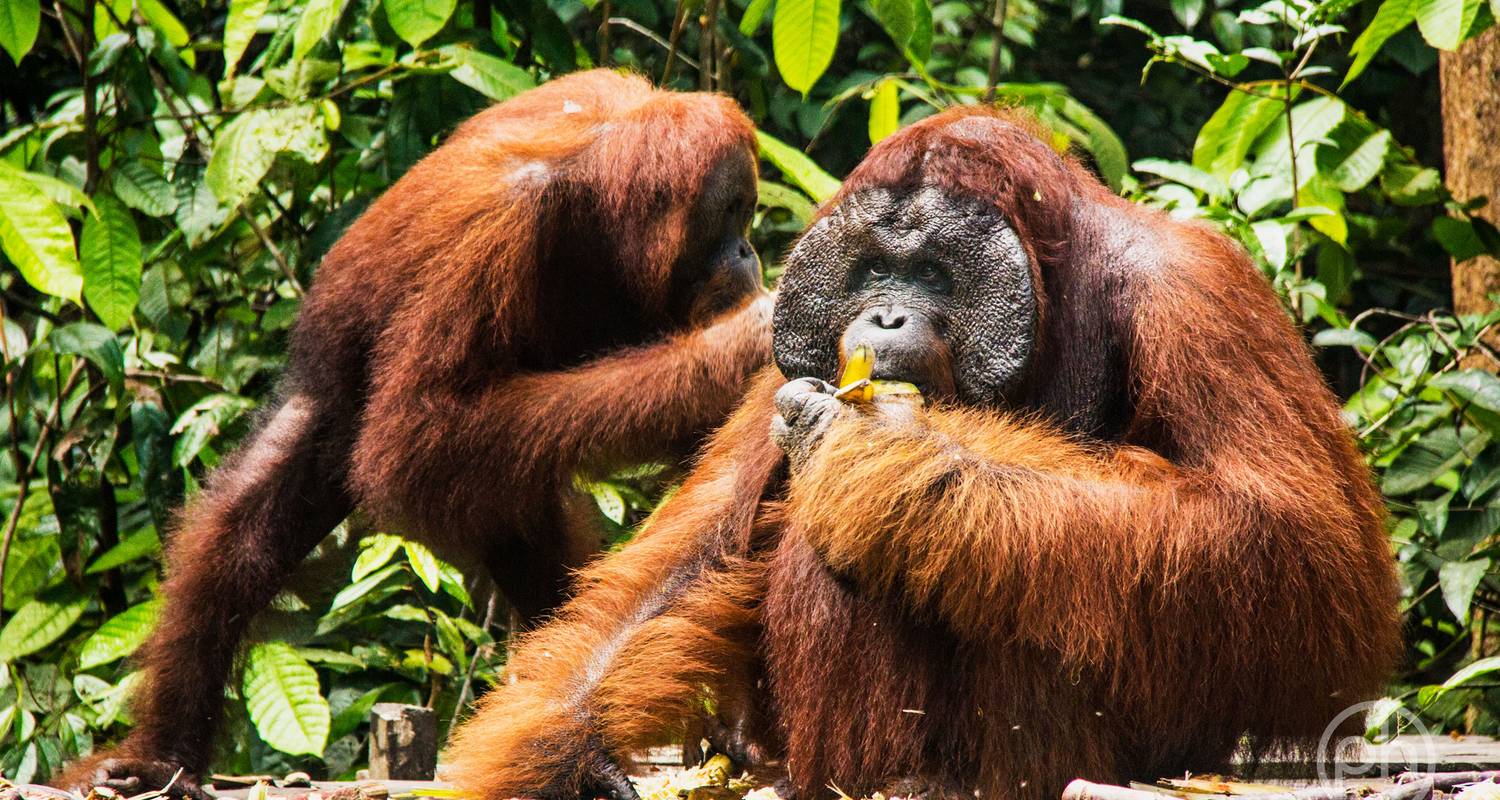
(171, 171)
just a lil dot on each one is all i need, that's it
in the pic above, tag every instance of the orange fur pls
(534, 299)
(1137, 562)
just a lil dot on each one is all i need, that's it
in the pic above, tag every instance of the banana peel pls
(856, 385)
(713, 781)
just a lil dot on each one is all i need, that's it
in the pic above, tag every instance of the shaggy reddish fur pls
(1002, 600)
(500, 319)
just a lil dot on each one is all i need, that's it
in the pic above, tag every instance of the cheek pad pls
(992, 315)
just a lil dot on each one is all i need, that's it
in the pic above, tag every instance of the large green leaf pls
(1443, 23)
(143, 188)
(316, 21)
(140, 544)
(375, 552)
(424, 563)
(417, 20)
(1458, 580)
(239, 28)
(111, 250)
(120, 635)
(95, 343)
(1427, 459)
(240, 157)
(492, 77)
(1390, 19)
(804, 34)
(755, 13)
(1355, 156)
(40, 623)
(19, 22)
(1228, 134)
(797, 167)
(245, 149)
(282, 695)
(885, 110)
(36, 238)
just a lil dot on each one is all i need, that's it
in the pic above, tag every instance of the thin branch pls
(678, 20)
(463, 691)
(706, 42)
(606, 10)
(997, 20)
(652, 35)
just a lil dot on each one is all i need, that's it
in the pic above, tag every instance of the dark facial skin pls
(939, 287)
(720, 268)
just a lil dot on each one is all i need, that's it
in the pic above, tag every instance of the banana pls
(856, 385)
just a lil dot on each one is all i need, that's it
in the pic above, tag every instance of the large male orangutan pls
(565, 285)
(1127, 531)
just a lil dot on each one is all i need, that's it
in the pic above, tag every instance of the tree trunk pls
(1471, 130)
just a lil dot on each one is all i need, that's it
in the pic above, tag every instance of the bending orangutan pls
(1127, 530)
(564, 285)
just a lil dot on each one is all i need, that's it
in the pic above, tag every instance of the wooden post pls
(403, 742)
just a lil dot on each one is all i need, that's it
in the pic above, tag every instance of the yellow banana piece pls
(856, 385)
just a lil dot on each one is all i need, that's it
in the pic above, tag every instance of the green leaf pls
(203, 421)
(1443, 23)
(60, 191)
(375, 552)
(1424, 461)
(804, 34)
(417, 20)
(143, 188)
(1483, 666)
(609, 500)
(1356, 158)
(885, 110)
(239, 28)
(898, 17)
(797, 167)
(1458, 580)
(1411, 184)
(1391, 18)
(355, 591)
(282, 695)
(1458, 237)
(1318, 191)
(1185, 174)
(1187, 11)
(29, 567)
(1229, 133)
(240, 157)
(111, 250)
(317, 20)
(453, 584)
(492, 77)
(424, 563)
(1471, 386)
(95, 343)
(120, 635)
(1344, 337)
(755, 13)
(40, 623)
(140, 544)
(779, 195)
(35, 236)
(19, 22)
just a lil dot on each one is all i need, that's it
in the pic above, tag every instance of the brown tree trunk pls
(1471, 154)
